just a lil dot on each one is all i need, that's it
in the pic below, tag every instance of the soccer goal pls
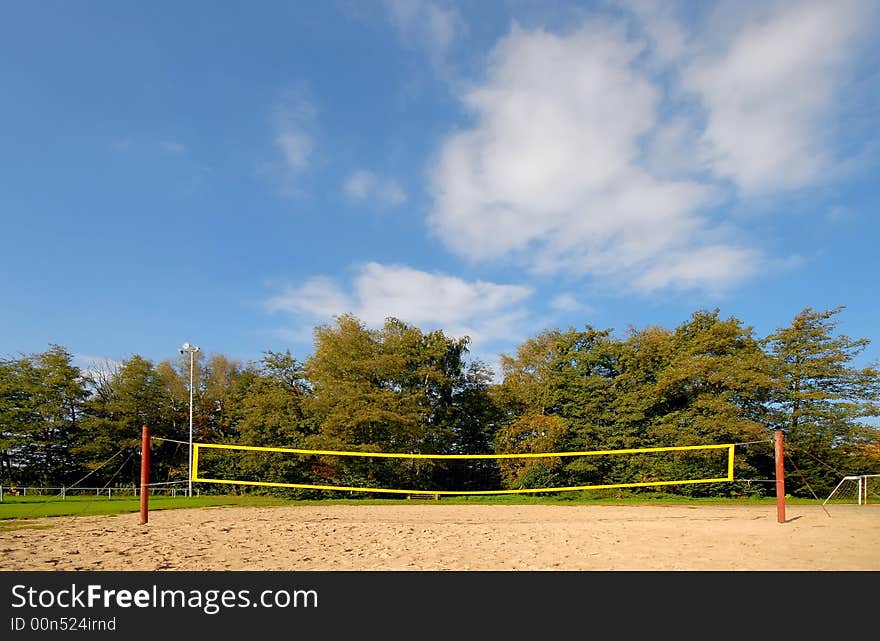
(857, 490)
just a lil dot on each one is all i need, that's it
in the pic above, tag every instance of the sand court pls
(440, 536)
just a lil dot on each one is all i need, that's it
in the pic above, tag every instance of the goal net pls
(857, 490)
(461, 474)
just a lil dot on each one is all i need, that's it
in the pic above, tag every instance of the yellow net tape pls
(307, 486)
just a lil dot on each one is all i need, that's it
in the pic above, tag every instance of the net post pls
(145, 474)
(194, 468)
(730, 463)
(780, 478)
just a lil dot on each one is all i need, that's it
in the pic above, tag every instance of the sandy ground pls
(456, 537)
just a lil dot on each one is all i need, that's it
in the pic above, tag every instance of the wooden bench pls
(424, 496)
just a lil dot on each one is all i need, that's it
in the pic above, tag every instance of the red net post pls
(780, 479)
(145, 474)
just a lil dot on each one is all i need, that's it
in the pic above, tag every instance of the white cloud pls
(363, 185)
(482, 310)
(319, 296)
(601, 151)
(567, 302)
(770, 87)
(551, 173)
(293, 121)
(87, 362)
(672, 149)
(710, 268)
(97, 368)
(425, 24)
(660, 21)
(295, 146)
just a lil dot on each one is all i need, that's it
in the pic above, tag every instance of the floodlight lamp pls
(186, 346)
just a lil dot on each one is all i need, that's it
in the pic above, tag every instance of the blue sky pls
(234, 174)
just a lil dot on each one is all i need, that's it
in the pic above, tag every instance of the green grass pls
(34, 507)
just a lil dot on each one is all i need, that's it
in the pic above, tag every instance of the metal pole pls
(780, 479)
(191, 362)
(145, 474)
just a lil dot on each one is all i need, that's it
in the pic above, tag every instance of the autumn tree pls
(556, 395)
(714, 389)
(824, 400)
(396, 389)
(259, 405)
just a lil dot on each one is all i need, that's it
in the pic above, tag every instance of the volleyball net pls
(461, 474)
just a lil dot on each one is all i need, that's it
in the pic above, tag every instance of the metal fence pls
(62, 492)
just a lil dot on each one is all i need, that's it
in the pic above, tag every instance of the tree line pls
(398, 388)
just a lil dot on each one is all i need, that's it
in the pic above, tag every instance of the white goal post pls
(856, 489)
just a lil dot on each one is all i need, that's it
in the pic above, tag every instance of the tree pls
(562, 373)
(474, 417)
(643, 357)
(217, 382)
(706, 382)
(389, 389)
(525, 386)
(823, 399)
(716, 384)
(557, 395)
(270, 407)
(41, 405)
(262, 405)
(714, 389)
(136, 395)
(532, 434)
(396, 389)
(8, 421)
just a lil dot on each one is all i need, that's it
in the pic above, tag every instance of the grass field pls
(16, 508)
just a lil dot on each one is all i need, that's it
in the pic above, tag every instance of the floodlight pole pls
(192, 356)
(192, 349)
